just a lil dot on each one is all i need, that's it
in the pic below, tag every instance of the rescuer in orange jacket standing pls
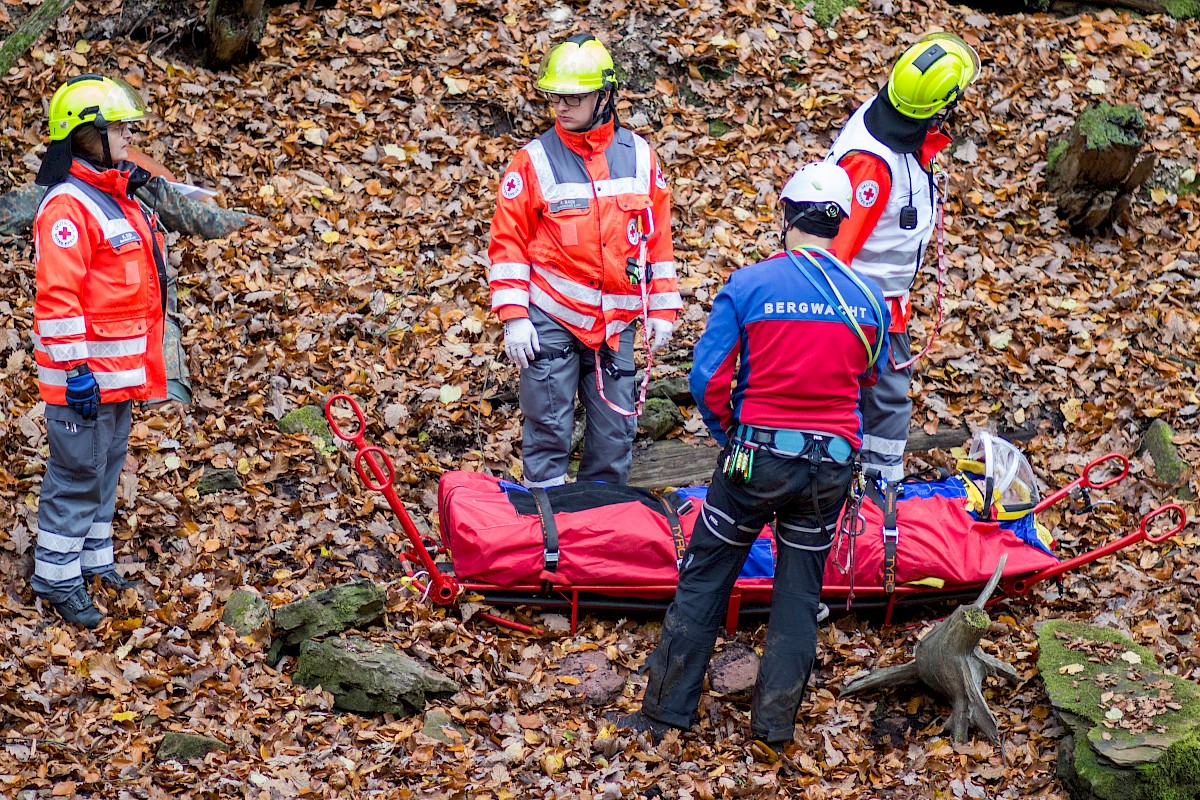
(97, 331)
(580, 250)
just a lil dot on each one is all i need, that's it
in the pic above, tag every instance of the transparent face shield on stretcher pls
(1009, 482)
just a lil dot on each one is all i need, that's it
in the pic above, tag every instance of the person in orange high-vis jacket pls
(566, 246)
(97, 332)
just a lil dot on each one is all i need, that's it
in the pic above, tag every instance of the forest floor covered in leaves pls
(370, 137)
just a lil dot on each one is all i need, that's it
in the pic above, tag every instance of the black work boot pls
(639, 722)
(77, 609)
(112, 579)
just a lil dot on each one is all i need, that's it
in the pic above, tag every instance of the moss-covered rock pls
(185, 746)
(658, 418)
(248, 614)
(218, 480)
(825, 12)
(367, 677)
(1183, 9)
(310, 420)
(1168, 466)
(350, 605)
(1135, 729)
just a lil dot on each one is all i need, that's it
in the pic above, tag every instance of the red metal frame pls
(376, 471)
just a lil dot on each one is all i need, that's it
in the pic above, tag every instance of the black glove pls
(83, 393)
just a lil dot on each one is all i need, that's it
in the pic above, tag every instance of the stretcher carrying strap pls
(545, 511)
(886, 500)
(676, 527)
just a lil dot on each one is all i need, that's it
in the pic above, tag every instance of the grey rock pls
(184, 746)
(734, 669)
(435, 724)
(674, 389)
(350, 605)
(218, 480)
(598, 683)
(249, 614)
(367, 677)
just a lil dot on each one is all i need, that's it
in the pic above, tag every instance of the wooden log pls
(1097, 164)
(28, 32)
(949, 661)
(672, 463)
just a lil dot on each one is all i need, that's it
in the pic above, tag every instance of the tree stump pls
(235, 27)
(949, 661)
(1094, 171)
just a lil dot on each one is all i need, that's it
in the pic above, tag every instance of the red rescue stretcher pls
(624, 556)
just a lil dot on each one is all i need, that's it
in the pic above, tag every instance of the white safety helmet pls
(820, 182)
(1009, 480)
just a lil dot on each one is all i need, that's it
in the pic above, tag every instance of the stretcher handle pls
(1084, 481)
(384, 475)
(1025, 583)
(1162, 537)
(360, 433)
(376, 471)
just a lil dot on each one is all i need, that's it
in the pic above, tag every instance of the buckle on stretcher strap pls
(886, 500)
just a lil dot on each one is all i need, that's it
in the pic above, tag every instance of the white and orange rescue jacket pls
(567, 220)
(100, 288)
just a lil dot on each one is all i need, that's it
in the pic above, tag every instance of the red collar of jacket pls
(114, 181)
(935, 142)
(586, 142)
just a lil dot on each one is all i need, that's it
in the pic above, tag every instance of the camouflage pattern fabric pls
(178, 213)
(17, 209)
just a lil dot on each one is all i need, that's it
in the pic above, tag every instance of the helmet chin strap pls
(101, 124)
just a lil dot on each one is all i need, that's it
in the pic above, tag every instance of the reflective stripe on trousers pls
(78, 496)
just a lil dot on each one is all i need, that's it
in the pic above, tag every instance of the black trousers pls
(804, 497)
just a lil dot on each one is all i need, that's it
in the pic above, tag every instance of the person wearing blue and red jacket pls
(777, 374)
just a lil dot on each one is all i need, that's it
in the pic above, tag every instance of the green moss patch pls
(1107, 125)
(1182, 9)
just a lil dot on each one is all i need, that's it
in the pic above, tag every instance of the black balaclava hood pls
(900, 133)
(815, 219)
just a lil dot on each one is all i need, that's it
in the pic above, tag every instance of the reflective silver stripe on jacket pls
(122, 379)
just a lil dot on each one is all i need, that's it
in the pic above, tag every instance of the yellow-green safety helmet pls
(83, 99)
(579, 65)
(931, 75)
(95, 99)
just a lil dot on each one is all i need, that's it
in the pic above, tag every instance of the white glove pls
(521, 341)
(659, 331)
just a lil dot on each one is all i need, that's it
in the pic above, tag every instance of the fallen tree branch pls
(21, 39)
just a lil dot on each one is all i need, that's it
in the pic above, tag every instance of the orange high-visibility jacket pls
(99, 297)
(567, 220)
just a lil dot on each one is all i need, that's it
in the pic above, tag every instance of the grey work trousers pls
(886, 413)
(805, 498)
(565, 366)
(78, 497)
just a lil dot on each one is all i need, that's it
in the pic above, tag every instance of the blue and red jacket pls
(776, 354)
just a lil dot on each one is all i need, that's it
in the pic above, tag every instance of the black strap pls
(676, 529)
(891, 536)
(549, 531)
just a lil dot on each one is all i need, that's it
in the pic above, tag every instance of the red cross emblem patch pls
(64, 233)
(867, 193)
(511, 185)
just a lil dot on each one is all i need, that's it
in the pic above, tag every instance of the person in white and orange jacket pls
(888, 148)
(97, 332)
(566, 241)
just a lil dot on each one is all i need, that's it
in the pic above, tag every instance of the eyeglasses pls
(572, 100)
(123, 128)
